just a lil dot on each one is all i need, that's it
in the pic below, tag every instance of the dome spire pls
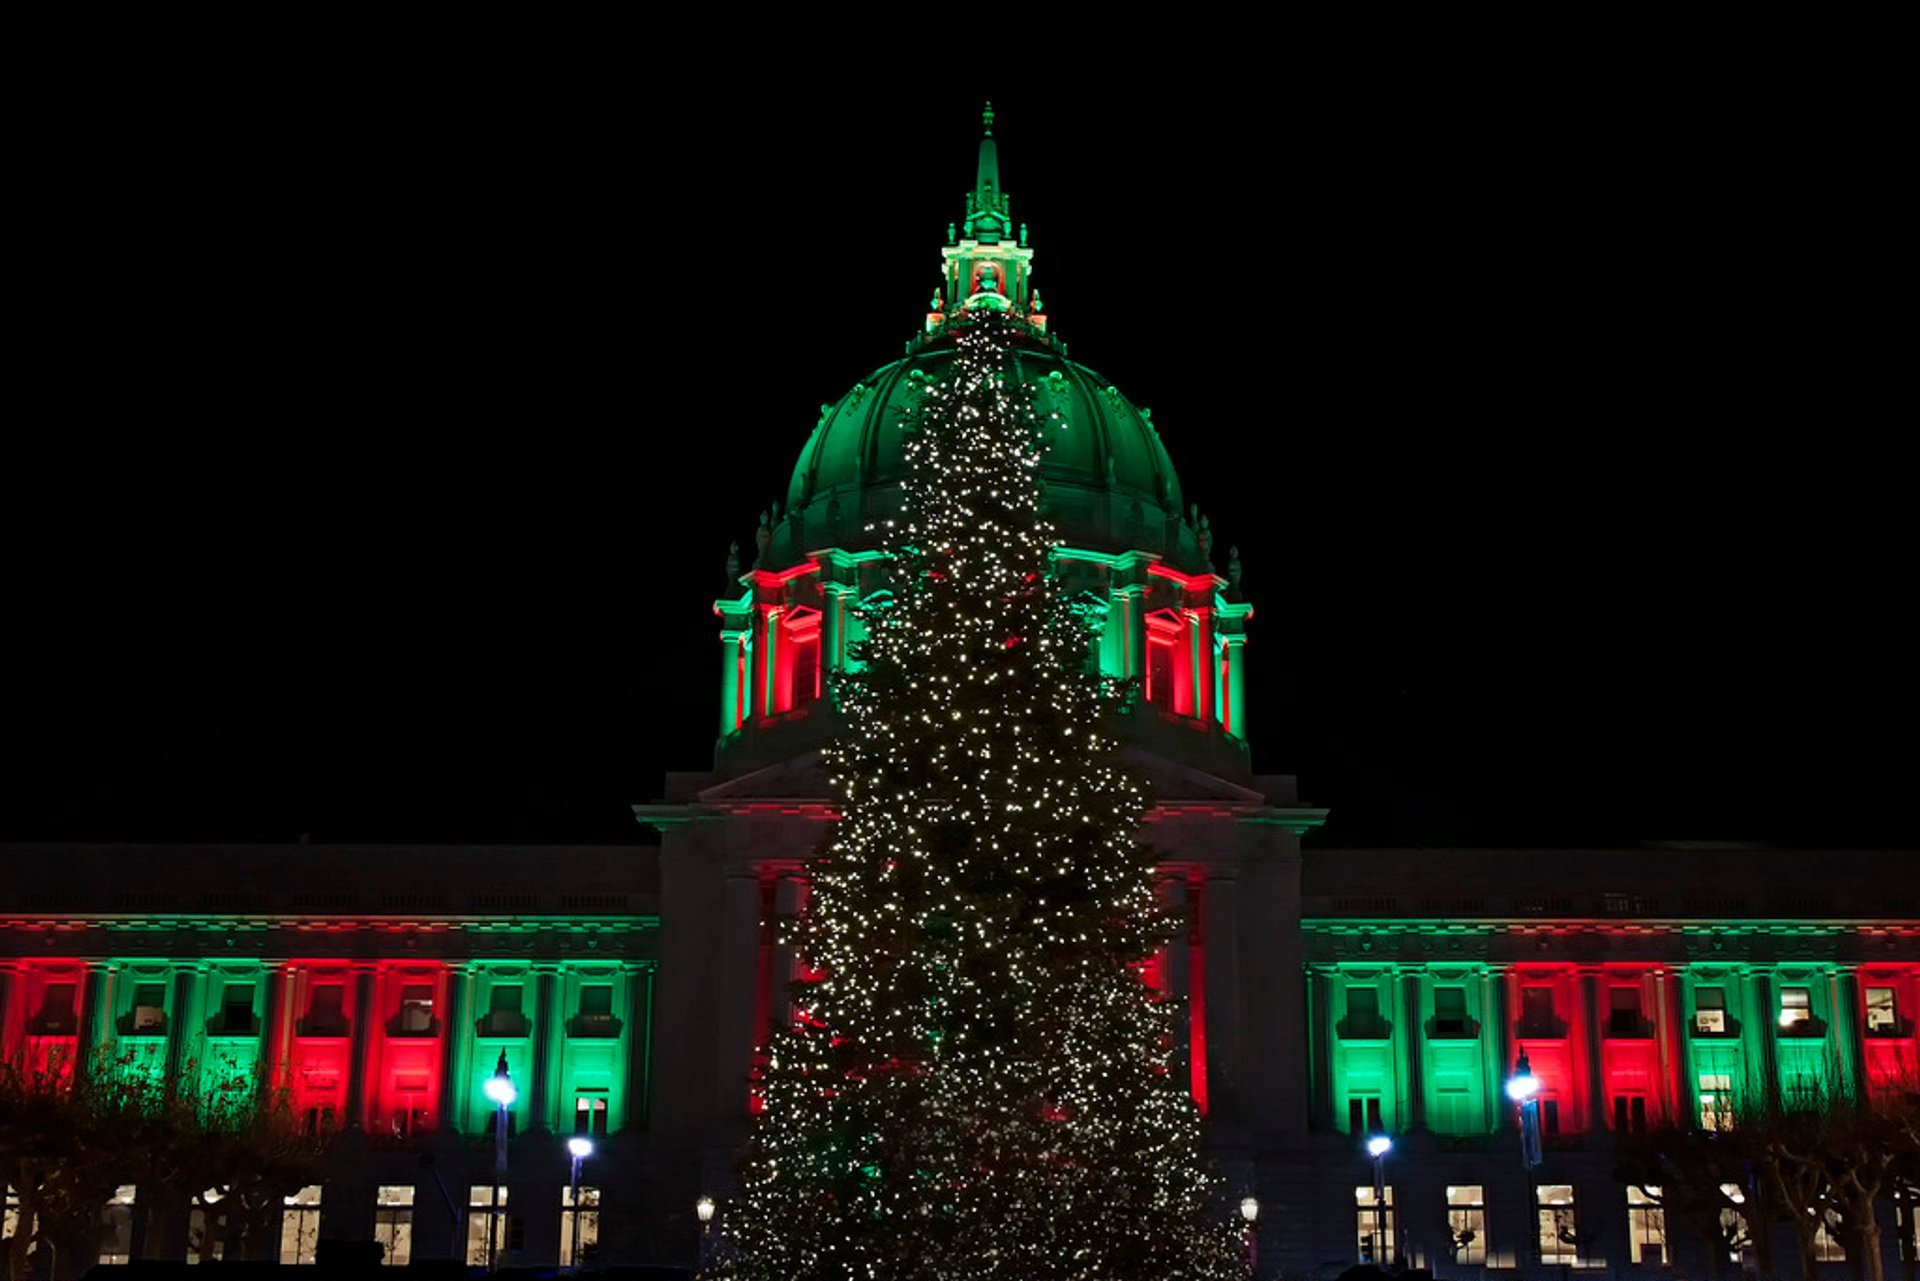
(988, 219)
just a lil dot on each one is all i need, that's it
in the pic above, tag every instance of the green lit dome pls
(1109, 481)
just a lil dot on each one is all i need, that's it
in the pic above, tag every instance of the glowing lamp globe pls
(580, 1146)
(1249, 1209)
(1522, 1087)
(1379, 1145)
(500, 1090)
(704, 1208)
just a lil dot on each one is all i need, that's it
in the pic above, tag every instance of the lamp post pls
(1523, 1087)
(704, 1208)
(1377, 1147)
(1250, 1214)
(499, 1088)
(579, 1147)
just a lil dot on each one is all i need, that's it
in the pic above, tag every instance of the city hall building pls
(1331, 995)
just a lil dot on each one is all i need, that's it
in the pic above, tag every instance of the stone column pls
(540, 1108)
(1500, 1055)
(1596, 1067)
(457, 1053)
(639, 1036)
(1847, 1031)
(739, 964)
(789, 896)
(730, 691)
(1220, 913)
(1171, 889)
(359, 1068)
(1416, 1048)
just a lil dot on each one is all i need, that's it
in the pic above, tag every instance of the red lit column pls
(1596, 1067)
(8, 1015)
(1172, 891)
(1668, 1070)
(358, 1069)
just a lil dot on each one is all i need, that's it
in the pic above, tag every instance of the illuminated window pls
(10, 1217)
(1623, 1013)
(1374, 1222)
(57, 1015)
(415, 1017)
(590, 1113)
(1734, 1234)
(300, 1226)
(326, 1010)
(1450, 1012)
(1646, 1227)
(393, 1222)
(1883, 1015)
(1710, 1010)
(1558, 1226)
(488, 1230)
(1716, 1101)
(1467, 1223)
(585, 1219)
(236, 1010)
(1796, 1012)
(149, 1016)
(206, 1228)
(1826, 1246)
(116, 1226)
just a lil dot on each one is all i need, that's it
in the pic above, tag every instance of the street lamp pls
(1250, 1213)
(704, 1208)
(1377, 1147)
(499, 1088)
(1523, 1087)
(579, 1147)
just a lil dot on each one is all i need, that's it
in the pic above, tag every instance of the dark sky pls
(383, 426)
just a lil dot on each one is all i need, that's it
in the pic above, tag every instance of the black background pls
(382, 417)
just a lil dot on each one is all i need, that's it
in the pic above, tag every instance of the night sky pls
(382, 430)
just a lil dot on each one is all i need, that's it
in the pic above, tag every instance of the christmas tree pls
(978, 1084)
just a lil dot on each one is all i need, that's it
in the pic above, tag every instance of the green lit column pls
(1843, 1002)
(1500, 1052)
(1764, 1039)
(730, 643)
(186, 1029)
(546, 1076)
(1412, 1052)
(97, 1013)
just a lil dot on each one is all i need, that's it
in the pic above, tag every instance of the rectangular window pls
(1826, 1246)
(590, 1114)
(1363, 1019)
(1363, 1115)
(504, 1017)
(1630, 1113)
(1558, 1226)
(1374, 1221)
(1467, 1224)
(1623, 1012)
(206, 1228)
(318, 1120)
(10, 1217)
(1710, 1010)
(1734, 1235)
(1646, 1227)
(1450, 1011)
(236, 1009)
(393, 1223)
(1716, 1101)
(583, 1219)
(149, 1008)
(487, 1227)
(300, 1226)
(1796, 1011)
(1883, 1015)
(116, 1226)
(1536, 1012)
(596, 1011)
(326, 1010)
(57, 1016)
(1549, 1116)
(416, 1009)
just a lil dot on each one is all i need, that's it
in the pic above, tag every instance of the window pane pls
(1882, 1014)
